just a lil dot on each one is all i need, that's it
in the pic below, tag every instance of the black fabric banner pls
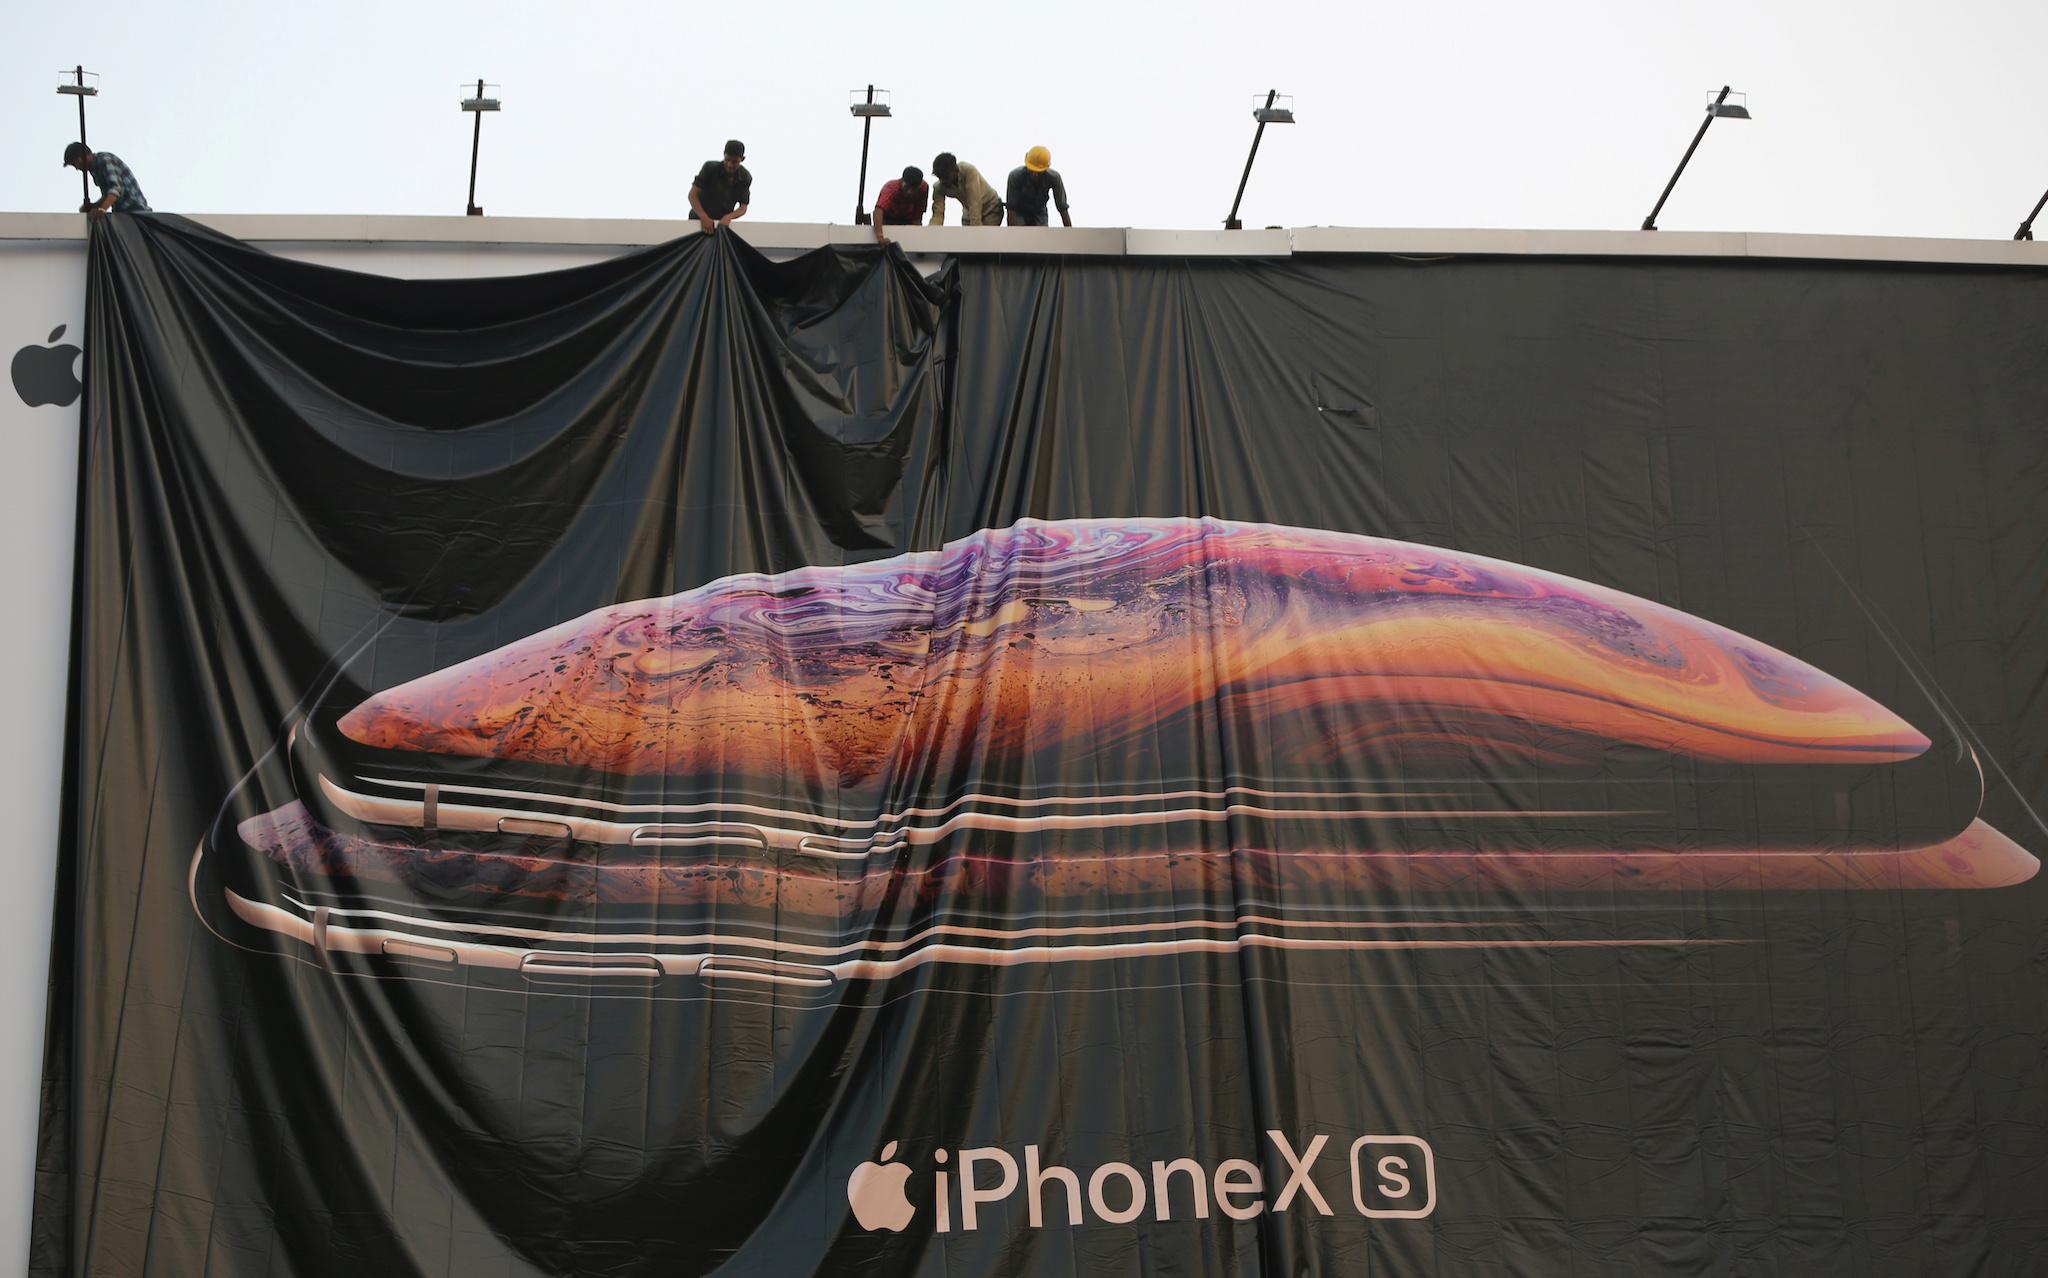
(1333, 766)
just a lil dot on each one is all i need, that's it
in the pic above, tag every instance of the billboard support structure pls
(1715, 109)
(1265, 115)
(477, 106)
(867, 112)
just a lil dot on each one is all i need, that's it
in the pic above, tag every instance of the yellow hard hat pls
(1038, 159)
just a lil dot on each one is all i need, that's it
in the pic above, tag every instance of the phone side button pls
(545, 965)
(702, 832)
(767, 971)
(533, 825)
(418, 952)
(836, 849)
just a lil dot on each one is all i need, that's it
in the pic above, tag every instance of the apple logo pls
(875, 1192)
(43, 374)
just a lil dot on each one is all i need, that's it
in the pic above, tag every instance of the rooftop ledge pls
(625, 233)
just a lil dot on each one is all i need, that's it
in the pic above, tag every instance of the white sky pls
(1871, 118)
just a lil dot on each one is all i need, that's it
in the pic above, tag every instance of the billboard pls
(42, 338)
(700, 763)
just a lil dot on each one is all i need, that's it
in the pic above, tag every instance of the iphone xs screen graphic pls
(1061, 717)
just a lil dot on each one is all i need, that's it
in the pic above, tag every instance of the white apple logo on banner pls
(875, 1192)
(43, 374)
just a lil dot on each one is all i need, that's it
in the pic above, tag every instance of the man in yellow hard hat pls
(1030, 183)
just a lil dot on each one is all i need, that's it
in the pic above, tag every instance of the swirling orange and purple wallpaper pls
(1094, 632)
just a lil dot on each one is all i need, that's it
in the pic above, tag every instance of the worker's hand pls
(880, 238)
(708, 225)
(726, 220)
(95, 212)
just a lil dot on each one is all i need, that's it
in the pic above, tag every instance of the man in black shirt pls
(721, 190)
(1030, 184)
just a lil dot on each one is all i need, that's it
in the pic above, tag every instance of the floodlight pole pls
(1650, 222)
(2026, 231)
(78, 90)
(1231, 223)
(79, 71)
(476, 141)
(860, 194)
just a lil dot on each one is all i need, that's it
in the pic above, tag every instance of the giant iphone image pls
(1066, 742)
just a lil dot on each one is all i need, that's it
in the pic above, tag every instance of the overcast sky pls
(1871, 118)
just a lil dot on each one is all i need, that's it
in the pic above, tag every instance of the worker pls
(119, 191)
(1030, 183)
(722, 188)
(902, 202)
(979, 204)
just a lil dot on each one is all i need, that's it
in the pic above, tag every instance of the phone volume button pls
(557, 965)
(834, 848)
(534, 825)
(701, 832)
(769, 971)
(418, 952)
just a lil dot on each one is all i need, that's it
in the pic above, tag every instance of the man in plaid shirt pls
(119, 191)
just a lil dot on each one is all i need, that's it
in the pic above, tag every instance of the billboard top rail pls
(629, 233)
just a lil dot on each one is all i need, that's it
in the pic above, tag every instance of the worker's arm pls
(1059, 198)
(741, 198)
(110, 190)
(697, 207)
(939, 206)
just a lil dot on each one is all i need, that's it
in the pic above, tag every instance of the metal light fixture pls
(867, 111)
(1265, 115)
(477, 106)
(2026, 231)
(1719, 109)
(79, 89)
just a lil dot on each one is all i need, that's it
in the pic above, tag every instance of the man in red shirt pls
(902, 201)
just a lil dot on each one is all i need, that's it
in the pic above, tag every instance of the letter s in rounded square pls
(1393, 1177)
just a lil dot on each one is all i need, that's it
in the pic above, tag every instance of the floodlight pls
(1721, 109)
(869, 103)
